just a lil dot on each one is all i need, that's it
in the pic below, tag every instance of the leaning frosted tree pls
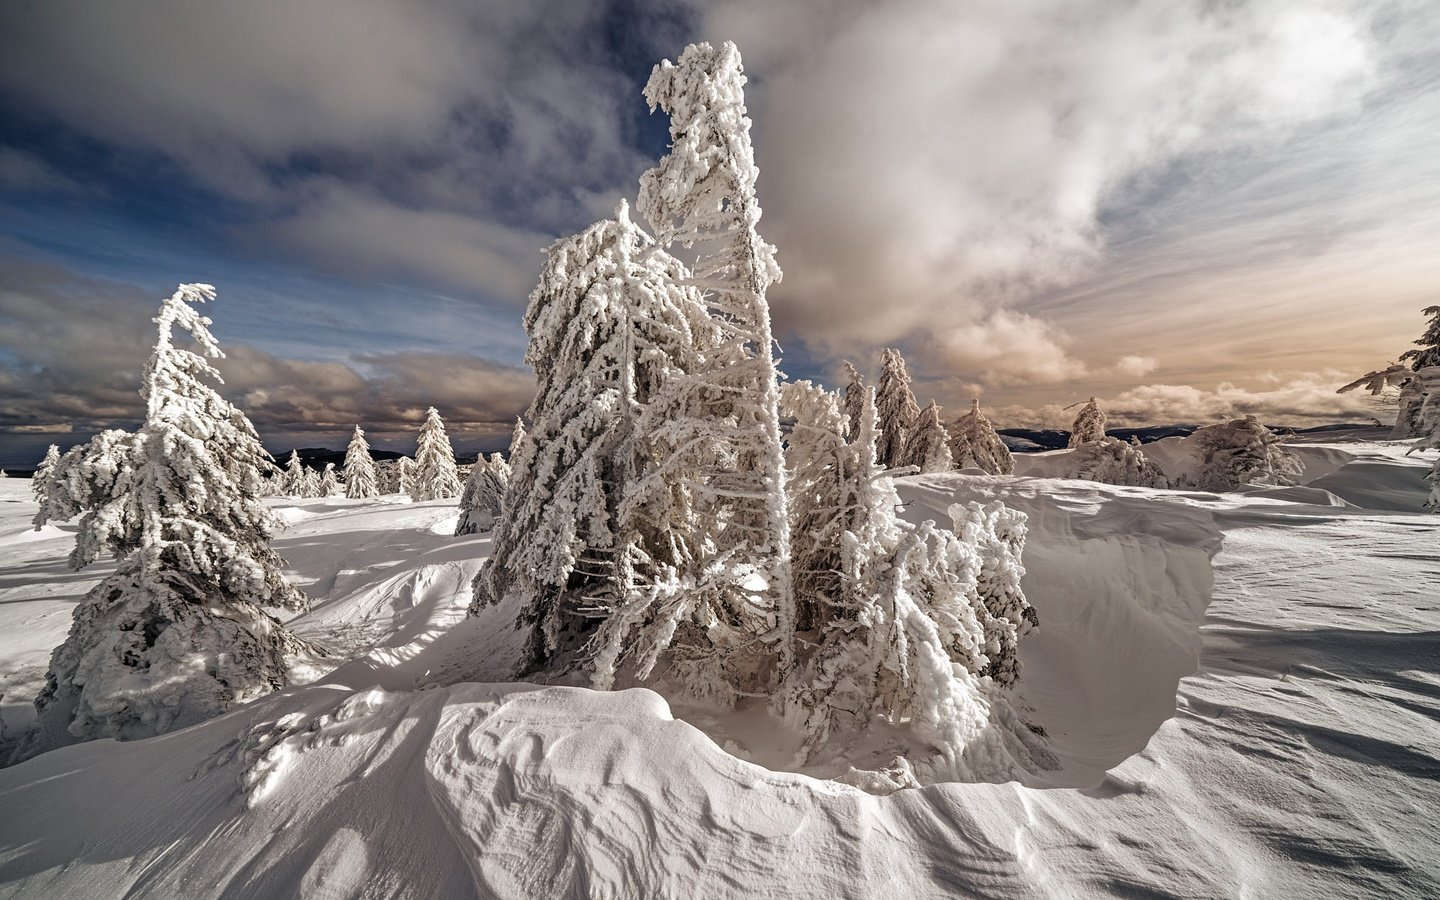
(853, 400)
(1089, 424)
(610, 324)
(360, 478)
(436, 476)
(177, 633)
(896, 410)
(975, 444)
(722, 423)
(1240, 452)
(1404, 376)
(929, 443)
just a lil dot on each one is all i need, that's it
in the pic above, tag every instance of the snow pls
(1266, 723)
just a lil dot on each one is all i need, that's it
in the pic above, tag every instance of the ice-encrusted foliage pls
(360, 479)
(1240, 452)
(1427, 352)
(482, 502)
(1432, 503)
(329, 482)
(929, 444)
(176, 634)
(1113, 461)
(436, 476)
(292, 482)
(1403, 375)
(854, 399)
(400, 476)
(726, 431)
(820, 482)
(610, 324)
(998, 534)
(974, 444)
(40, 481)
(896, 409)
(1089, 424)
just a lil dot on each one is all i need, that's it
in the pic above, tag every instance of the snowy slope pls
(1302, 760)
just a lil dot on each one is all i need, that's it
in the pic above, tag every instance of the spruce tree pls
(292, 483)
(929, 443)
(176, 634)
(482, 501)
(1089, 424)
(360, 481)
(896, 408)
(702, 194)
(436, 477)
(975, 444)
(855, 388)
(404, 472)
(1240, 452)
(1113, 461)
(309, 484)
(821, 464)
(40, 481)
(329, 482)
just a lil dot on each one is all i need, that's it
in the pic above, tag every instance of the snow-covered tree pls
(1113, 461)
(1240, 452)
(1403, 376)
(1089, 424)
(360, 480)
(897, 410)
(436, 477)
(177, 633)
(403, 473)
(974, 444)
(482, 501)
(929, 443)
(40, 481)
(821, 476)
(855, 388)
(310, 484)
(610, 323)
(292, 483)
(330, 482)
(1432, 503)
(702, 195)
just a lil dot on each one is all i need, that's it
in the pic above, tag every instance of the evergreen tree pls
(976, 445)
(360, 481)
(436, 477)
(702, 194)
(404, 472)
(854, 399)
(897, 410)
(309, 484)
(1403, 376)
(292, 484)
(821, 473)
(1240, 452)
(329, 482)
(1089, 424)
(176, 634)
(1113, 461)
(929, 444)
(482, 502)
(40, 481)
(1432, 503)
(610, 322)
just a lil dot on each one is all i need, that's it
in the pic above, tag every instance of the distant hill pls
(1027, 440)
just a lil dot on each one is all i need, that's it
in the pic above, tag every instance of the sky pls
(1191, 210)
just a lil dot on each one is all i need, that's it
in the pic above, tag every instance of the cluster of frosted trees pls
(431, 475)
(655, 524)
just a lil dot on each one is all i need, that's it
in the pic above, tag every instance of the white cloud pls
(1005, 348)
(1136, 366)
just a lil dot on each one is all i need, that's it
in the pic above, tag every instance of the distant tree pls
(1113, 461)
(482, 501)
(897, 410)
(330, 482)
(176, 634)
(292, 483)
(1089, 424)
(854, 399)
(974, 444)
(310, 484)
(1240, 452)
(929, 443)
(404, 472)
(40, 481)
(360, 480)
(436, 477)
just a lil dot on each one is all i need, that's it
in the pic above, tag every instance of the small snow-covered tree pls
(176, 634)
(482, 502)
(1089, 424)
(330, 482)
(40, 481)
(436, 477)
(929, 443)
(1240, 452)
(403, 473)
(854, 398)
(1113, 461)
(974, 444)
(702, 195)
(292, 483)
(360, 479)
(310, 484)
(896, 408)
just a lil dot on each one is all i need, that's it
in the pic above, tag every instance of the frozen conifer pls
(702, 195)
(821, 464)
(292, 483)
(1240, 452)
(329, 482)
(1113, 461)
(482, 501)
(436, 477)
(177, 634)
(404, 476)
(309, 484)
(360, 479)
(929, 444)
(974, 444)
(1402, 375)
(854, 398)
(40, 481)
(896, 410)
(1089, 424)
(1432, 503)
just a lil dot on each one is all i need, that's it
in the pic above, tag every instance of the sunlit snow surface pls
(1302, 760)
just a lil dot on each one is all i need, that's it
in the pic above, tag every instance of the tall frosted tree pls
(177, 633)
(929, 443)
(360, 480)
(610, 323)
(896, 409)
(1089, 424)
(40, 481)
(855, 388)
(436, 476)
(975, 444)
(821, 477)
(702, 195)
(292, 483)
(329, 482)
(404, 476)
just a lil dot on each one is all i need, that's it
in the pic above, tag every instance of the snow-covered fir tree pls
(330, 482)
(309, 484)
(40, 481)
(1240, 452)
(360, 479)
(897, 410)
(1113, 461)
(929, 443)
(974, 444)
(610, 323)
(436, 476)
(1089, 424)
(482, 500)
(854, 398)
(403, 472)
(1403, 375)
(177, 633)
(723, 428)
(821, 476)
(292, 483)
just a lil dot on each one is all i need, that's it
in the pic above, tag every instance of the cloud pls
(1136, 366)
(1006, 348)
(23, 172)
